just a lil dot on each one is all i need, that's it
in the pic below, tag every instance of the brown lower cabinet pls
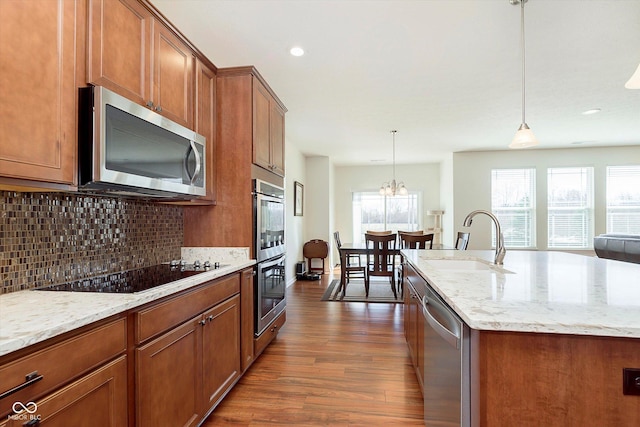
(167, 363)
(413, 319)
(188, 369)
(83, 380)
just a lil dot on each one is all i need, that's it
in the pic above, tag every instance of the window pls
(623, 199)
(371, 211)
(513, 202)
(570, 207)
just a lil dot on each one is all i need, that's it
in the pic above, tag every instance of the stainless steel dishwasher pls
(447, 390)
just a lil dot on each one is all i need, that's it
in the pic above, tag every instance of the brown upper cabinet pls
(38, 53)
(134, 54)
(268, 129)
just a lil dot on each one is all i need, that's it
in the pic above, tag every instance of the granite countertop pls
(536, 291)
(28, 317)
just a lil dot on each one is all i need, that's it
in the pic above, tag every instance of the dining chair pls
(462, 241)
(380, 259)
(353, 268)
(413, 241)
(379, 233)
(412, 233)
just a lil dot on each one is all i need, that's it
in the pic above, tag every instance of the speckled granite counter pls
(545, 292)
(29, 317)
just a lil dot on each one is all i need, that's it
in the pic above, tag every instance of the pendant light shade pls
(391, 188)
(634, 81)
(524, 137)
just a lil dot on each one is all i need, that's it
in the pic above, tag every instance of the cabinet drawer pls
(98, 399)
(62, 362)
(165, 315)
(416, 280)
(270, 333)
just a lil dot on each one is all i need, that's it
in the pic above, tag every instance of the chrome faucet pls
(500, 250)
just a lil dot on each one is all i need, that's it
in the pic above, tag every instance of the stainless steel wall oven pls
(270, 279)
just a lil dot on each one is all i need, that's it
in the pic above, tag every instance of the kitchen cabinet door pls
(414, 320)
(261, 126)
(38, 85)
(137, 56)
(168, 378)
(276, 138)
(268, 130)
(246, 318)
(173, 77)
(98, 399)
(119, 48)
(206, 125)
(220, 350)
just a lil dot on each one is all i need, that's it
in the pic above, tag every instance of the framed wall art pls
(298, 198)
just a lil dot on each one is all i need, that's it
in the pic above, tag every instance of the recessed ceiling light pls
(297, 51)
(592, 111)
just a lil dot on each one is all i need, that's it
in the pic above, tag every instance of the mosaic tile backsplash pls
(50, 238)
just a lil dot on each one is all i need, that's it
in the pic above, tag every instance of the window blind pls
(623, 199)
(513, 202)
(570, 207)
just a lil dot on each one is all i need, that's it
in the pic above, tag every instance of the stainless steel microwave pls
(127, 149)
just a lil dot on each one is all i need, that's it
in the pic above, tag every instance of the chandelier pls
(392, 188)
(524, 137)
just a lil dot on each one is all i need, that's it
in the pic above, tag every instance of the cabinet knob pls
(158, 108)
(210, 318)
(149, 104)
(203, 322)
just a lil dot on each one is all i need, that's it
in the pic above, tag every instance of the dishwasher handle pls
(452, 332)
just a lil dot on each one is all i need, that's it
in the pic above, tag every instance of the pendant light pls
(634, 81)
(392, 188)
(524, 137)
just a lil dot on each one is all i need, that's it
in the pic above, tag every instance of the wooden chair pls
(380, 260)
(412, 233)
(379, 233)
(462, 241)
(315, 248)
(353, 268)
(413, 241)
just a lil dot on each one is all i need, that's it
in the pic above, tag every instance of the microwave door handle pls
(196, 173)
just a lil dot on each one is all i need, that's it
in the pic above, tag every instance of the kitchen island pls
(550, 333)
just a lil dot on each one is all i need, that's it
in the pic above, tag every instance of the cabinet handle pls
(203, 322)
(210, 318)
(29, 379)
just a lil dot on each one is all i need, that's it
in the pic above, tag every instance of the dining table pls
(361, 249)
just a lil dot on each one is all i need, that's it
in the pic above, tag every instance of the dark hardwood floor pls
(339, 364)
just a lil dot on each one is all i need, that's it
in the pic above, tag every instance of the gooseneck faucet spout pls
(500, 250)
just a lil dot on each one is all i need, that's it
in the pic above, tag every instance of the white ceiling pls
(445, 73)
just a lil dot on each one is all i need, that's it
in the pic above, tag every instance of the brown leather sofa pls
(621, 247)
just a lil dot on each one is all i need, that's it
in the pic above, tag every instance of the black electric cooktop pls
(126, 282)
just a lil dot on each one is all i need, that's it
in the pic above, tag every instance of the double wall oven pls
(268, 227)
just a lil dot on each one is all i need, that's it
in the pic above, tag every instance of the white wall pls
(294, 225)
(318, 202)
(472, 183)
(349, 179)
(447, 201)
